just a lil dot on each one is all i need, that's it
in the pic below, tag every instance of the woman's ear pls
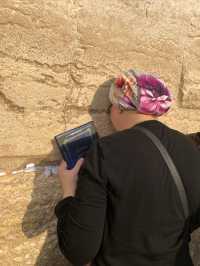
(121, 109)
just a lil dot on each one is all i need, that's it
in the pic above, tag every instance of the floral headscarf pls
(142, 92)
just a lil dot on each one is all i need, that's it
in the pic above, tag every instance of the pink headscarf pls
(142, 92)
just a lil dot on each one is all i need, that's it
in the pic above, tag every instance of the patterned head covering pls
(142, 92)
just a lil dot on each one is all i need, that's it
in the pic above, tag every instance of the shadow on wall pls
(39, 216)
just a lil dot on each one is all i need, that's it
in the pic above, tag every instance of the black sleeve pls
(81, 218)
(195, 221)
(195, 137)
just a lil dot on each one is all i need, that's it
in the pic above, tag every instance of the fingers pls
(63, 165)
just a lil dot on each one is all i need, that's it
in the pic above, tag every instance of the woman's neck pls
(131, 120)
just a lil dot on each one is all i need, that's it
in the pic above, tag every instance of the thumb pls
(78, 164)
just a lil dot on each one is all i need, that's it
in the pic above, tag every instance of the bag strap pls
(174, 172)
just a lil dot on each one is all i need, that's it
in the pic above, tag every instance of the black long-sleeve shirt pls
(126, 210)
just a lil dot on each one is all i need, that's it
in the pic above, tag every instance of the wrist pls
(68, 194)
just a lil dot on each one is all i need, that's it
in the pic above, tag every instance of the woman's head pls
(137, 96)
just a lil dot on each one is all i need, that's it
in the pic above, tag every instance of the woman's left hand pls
(68, 178)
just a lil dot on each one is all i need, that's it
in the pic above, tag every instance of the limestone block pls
(28, 223)
(43, 33)
(129, 36)
(86, 82)
(182, 119)
(31, 87)
(36, 130)
(191, 94)
(28, 134)
(190, 89)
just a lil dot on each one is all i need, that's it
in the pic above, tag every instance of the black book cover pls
(74, 143)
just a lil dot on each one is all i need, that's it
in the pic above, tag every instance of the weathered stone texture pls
(56, 62)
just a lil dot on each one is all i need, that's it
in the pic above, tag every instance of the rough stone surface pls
(56, 62)
(191, 89)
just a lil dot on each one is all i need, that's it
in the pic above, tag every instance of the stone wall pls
(55, 59)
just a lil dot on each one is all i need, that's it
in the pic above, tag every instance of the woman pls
(123, 209)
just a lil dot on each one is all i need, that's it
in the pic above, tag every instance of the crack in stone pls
(11, 106)
(181, 85)
(17, 10)
(73, 78)
(49, 80)
(13, 24)
(78, 108)
(194, 36)
(146, 6)
(67, 108)
(55, 68)
(85, 109)
(21, 157)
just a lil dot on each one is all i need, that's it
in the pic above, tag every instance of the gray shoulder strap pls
(174, 172)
